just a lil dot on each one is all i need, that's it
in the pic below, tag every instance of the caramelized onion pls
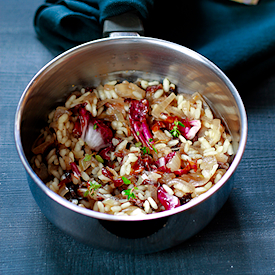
(196, 179)
(174, 111)
(59, 112)
(162, 106)
(63, 191)
(188, 187)
(174, 163)
(118, 102)
(160, 135)
(126, 90)
(167, 177)
(40, 147)
(217, 132)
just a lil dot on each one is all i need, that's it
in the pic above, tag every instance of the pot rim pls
(103, 216)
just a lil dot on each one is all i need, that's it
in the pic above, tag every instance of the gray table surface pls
(239, 240)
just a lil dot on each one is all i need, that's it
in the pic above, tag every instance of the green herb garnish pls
(92, 186)
(152, 141)
(125, 180)
(180, 124)
(138, 144)
(95, 126)
(130, 194)
(154, 149)
(137, 133)
(175, 130)
(145, 150)
(99, 158)
(87, 157)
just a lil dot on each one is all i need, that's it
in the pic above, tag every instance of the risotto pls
(132, 148)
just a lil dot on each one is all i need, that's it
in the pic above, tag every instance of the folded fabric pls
(238, 38)
(67, 23)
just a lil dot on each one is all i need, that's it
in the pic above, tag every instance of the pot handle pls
(126, 24)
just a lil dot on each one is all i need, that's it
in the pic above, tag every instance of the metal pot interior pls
(129, 58)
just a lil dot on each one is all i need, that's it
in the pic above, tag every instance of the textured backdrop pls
(239, 240)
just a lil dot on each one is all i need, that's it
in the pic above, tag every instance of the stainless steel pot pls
(128, 58)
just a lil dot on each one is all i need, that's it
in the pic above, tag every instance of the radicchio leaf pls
(104, 152)
(161, 162)
(167, 200)
(75, 170)
(117, 182)
(97, 135)
(82, 121)
(139, 126)
(191, 128)
(94, 132)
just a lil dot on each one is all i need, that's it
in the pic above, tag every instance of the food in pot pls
(132, 148)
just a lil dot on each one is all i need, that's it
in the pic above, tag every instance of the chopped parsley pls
(152, 141)
(145, 150)
(125, 180)
(175, 130)
(138, 144)
(180, 124)
(92, 186)
(154, 149)
(87, 157)
(99, 158)
(95, 126)
(130, 193)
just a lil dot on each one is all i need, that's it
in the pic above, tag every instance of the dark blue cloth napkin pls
(238, 38)
(67, 23)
